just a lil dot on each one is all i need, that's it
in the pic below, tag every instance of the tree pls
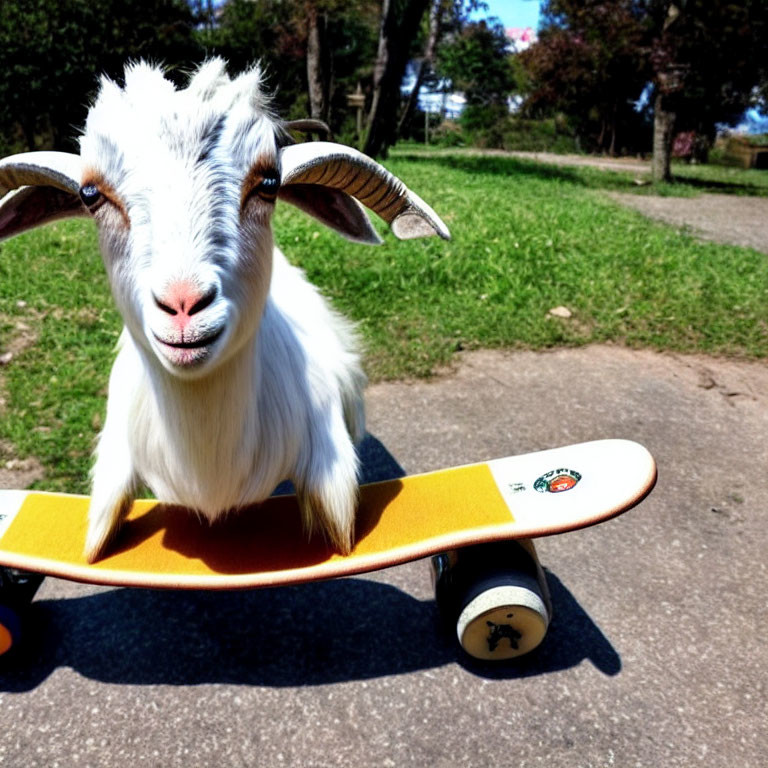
(246, 32)
(478, 63)
(318, 61)
(702, 58)
(339, 47)
(586, 65)
(708, 58)
(426, 64)
(399, 26)
(445, 18)
(312, 51)
(51, 52)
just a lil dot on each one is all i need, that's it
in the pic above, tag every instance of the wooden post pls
(356, 100)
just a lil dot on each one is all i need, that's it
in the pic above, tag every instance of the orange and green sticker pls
(557, 481)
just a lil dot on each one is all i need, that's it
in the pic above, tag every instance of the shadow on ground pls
(316, 634)
(721, 187)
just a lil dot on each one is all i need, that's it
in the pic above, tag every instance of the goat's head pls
(182, 185)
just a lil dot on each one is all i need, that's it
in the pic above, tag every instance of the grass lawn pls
(526, 238)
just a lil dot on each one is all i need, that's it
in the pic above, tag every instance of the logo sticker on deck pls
(557, 481)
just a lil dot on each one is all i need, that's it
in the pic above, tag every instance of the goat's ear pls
(38, 187)
(335, 209)
(330, 175)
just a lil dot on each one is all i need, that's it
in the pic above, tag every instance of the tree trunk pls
(28, 129)
(426, 65)
(663, 135)
(614, 122)
(669, 79)
(317, 74)
(374, 142)
(396, 34)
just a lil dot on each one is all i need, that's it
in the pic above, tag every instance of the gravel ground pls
(727, 219)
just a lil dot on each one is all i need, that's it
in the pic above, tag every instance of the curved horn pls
(349, 171)
(38, 187)
(51, 169)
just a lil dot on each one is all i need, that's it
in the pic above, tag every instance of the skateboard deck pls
(163, 546)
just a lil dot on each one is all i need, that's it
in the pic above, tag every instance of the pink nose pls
(182, 300)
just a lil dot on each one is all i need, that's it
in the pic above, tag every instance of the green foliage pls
(587, 65)
(447, 134)
(478, 63)
(51, 52)
(758, 140)
(264, 32)
(594, 57)
(510, 132)
(546, 135)
(274, 33)
(707, 57)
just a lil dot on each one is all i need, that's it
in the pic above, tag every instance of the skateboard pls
(475, 522)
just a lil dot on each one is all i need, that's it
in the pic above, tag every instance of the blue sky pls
(514, 13)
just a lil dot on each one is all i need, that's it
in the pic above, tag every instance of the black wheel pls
(17, 588)
(496, 596)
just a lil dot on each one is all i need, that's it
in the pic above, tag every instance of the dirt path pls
(730, 219)
(626, 164)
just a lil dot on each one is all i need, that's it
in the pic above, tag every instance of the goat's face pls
(182, 185)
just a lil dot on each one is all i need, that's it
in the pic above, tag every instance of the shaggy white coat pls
(279, 394)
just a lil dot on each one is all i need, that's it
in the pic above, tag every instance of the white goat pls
(232, 373)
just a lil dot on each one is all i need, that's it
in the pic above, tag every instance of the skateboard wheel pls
(17, 588)
(496, 597)
(503, 621)
(10, 629)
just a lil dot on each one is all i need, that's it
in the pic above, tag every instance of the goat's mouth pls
(186, 353)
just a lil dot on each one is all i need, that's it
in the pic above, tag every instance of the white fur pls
(279, 394)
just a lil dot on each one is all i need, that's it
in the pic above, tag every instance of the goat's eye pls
(268, 187)
(90, 195)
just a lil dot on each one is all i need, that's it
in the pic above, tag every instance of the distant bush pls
(538, 136)
(448, 134)
(510, 133)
